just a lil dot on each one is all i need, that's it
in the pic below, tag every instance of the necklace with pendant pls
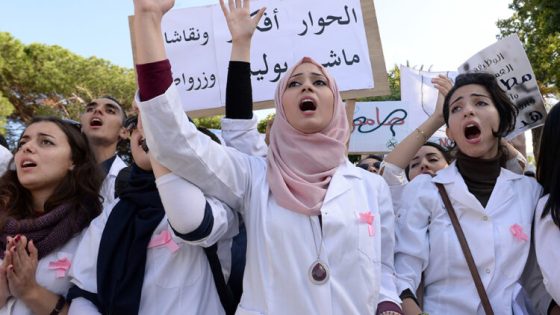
(318, 271)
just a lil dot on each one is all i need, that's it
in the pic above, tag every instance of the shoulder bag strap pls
(466, 251)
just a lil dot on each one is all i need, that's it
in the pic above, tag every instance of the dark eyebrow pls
(472, 94)
(45, 135)
(415, 158)
(312, 73)
(112, 106)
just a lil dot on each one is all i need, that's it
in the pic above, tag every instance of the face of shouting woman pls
(43, 158)
(473, 121)
(308, 101)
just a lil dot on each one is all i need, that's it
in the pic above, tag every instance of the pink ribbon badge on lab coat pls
(164, 239)
(61, 266)
(367, 218)
(518, 233)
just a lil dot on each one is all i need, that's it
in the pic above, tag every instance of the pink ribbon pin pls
(367, 218)
(164, 239)
(518, 233)
(61, 266)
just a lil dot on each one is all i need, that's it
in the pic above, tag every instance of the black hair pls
(548, 168)
(506, 110)
(372, 156)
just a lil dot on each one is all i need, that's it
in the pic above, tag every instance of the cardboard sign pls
(341, 35)
(507, 60)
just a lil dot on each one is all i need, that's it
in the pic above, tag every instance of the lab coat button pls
(488, 270)
(485, 218)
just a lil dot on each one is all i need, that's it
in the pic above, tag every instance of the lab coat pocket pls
(368, 229)
(243, 311)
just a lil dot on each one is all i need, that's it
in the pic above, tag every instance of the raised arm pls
(239, 128)
(405, 151)
(174, 141)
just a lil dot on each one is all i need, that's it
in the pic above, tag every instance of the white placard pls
(378, 126)
(507, 60)
(331, 32)
(421, 96)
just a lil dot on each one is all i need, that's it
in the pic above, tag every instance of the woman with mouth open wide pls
(46, 202)
(494, 206)
(319, 230)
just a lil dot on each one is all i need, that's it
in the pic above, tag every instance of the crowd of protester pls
(282, 226)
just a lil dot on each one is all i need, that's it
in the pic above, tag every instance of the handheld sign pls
(341, 35)
(508, 61)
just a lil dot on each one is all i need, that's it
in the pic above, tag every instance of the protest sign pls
(380, 126)
(507, 60)
(341, 35)
(418, 92)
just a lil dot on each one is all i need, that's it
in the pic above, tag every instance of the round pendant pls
(318, 272)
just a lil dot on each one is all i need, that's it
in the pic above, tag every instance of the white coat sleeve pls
(182, 201)
(396, 178)
(81, 306)
(388, 288)
(242, 134)
(412, 241)
(5, 158)
(175, 142)
(547, 238)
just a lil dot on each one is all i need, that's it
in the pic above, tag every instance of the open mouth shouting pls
(27, 164)
(307, 105)
(96, 122)
(472, 132)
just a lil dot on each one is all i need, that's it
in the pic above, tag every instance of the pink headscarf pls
(300, 166)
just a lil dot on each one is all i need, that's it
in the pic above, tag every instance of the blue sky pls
(437, 33)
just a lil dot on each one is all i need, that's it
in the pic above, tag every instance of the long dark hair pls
(79, 189)
(548, 168)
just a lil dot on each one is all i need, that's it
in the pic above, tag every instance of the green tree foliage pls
(537, 23)
(210, 122)
(39, 79)
(261, 126)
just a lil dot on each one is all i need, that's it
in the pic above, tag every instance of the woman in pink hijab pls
(319, 230)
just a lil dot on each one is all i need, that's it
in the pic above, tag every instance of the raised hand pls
(443, 84)
(158, 7)
(238, 17)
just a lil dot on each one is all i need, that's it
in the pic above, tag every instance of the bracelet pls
(59, 305)
(422, 134)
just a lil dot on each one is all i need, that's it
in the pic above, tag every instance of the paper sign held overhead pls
(507, 60)
(341, 35)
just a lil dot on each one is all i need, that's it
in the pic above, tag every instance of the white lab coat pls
(5, 158)
(175, 282)
(281, 245)
(108, 185)
(54, 280)
(242, 135)
(426, 241)
(547, 238)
